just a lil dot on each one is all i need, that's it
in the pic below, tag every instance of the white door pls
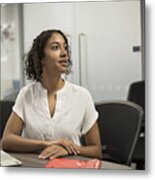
(106, 33)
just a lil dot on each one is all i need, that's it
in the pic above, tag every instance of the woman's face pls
(56, 55)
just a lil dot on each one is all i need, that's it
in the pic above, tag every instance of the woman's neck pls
(52, 84)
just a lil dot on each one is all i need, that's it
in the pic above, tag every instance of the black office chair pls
(136, 94)
(5, 111)
(119, 125)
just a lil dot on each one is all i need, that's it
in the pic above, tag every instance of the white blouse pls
(74, 113)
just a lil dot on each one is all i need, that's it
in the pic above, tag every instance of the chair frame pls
(5, 112)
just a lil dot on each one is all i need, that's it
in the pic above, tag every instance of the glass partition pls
(11, 78)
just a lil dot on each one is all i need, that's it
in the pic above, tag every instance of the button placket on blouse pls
(52, 120)
(49, 129)
(44, 107)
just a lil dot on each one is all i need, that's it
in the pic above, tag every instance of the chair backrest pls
(136, 93)
(5, 111)
(119, 125)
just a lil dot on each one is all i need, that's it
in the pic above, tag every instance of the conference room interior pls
(116, 79)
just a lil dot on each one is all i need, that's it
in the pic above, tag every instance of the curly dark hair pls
(33, 65)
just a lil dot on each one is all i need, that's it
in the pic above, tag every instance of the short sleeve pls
(18, 107)
(91, 115)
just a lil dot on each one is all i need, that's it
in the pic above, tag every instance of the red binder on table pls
(73, 163)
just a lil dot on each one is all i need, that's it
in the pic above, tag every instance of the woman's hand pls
(69, 145)
(53, 151)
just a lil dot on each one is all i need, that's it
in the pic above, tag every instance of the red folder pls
(73, 163)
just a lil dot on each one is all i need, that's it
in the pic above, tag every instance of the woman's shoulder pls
(78, 89)
(29, 89)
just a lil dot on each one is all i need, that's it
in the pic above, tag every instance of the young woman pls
(51, 114)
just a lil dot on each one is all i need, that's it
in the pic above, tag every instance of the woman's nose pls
(64, 52)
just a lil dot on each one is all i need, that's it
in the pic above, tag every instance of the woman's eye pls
(54, 47)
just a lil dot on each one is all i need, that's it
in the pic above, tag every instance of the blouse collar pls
(60, 91)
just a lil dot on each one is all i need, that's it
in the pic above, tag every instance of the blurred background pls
(106, 40)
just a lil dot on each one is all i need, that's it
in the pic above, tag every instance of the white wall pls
(43, 16)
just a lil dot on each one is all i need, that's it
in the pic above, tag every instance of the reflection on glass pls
(10, 58)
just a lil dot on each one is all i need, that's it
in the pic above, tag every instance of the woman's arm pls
(12, 141)
(93, 144)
